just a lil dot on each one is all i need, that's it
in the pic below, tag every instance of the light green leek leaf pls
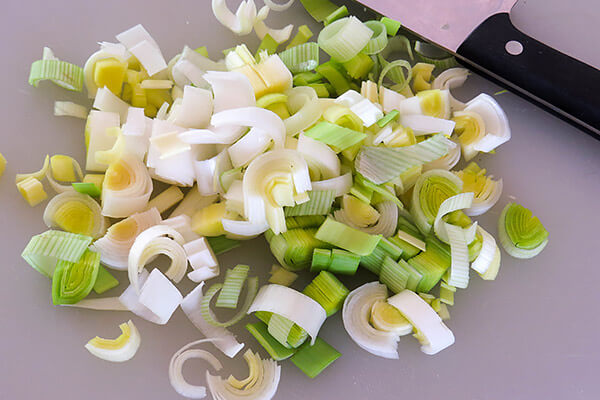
(393, 275)
(319, 204)
(302, 58)
(304, 33)
(222, 244)
(347, 238)
(275, 349)
(392, 26)
(382, 164)
(379, 38)
(232, 288)
(279, 327)
(338, 137)
(72, 281)
(521, 234)
(64, 74)
(208, 314)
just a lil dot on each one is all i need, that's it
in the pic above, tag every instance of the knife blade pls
(481, 35)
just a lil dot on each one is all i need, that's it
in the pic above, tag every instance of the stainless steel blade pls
(444, 22)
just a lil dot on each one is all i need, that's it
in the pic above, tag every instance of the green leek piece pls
(304, 33)
(270, 99)
(429, 298)
(63, 74)
(432, 263)
(276, 350)
(267, 44)
(87, 188)
(301, 58)
(379, 39)
(328, 291)
(104, 281)
(475, 247)
(361, 192)
(202, 51)
(414, 276)
(522, 229)
(389, 117)
(359, 66)
(306, 221)
(347, 238)
(343, 262)
(293, 248)
(394, 69)
(382, 190)
(391, 25)
(382, 164)
(312, 360)
(45, 249)
(393, 275)
(232, 287)
(222, 244)
(281, 276)
(447, 293)
(321, 89)
(385, 248)
(321, 260)
(279, 327)
(340, 12)
(319, 9)
(331, 71)
(72, 281)
(408, 250)
(297, 335)
(208, 314)
(338, 137)
(319, 204)
(305, 78)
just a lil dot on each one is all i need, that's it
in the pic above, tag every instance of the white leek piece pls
(195, 109)
(497, 130)
(448, 161)
(261, 383)
(471, 127)
(356, 314)
(250, 146)
(192, 202)
(320, 157)
(222, 135)
(136, 132)
(243, 229)
(340, 185)
(426, 125)
(126, 189)
(273, 180)
(365, 110)
(277, 6)
(385, 225)
(175, 169)
(488, 251)
(190, 67)
(139, 42)
(183, 225)
(389, 99)
(231, 90)
(253, 117)
(63, 168)
(97, 138)
(107, 101)
(120, 349)
(158, 239)
(433, 103)
(293, 305)
(200, 255)
(115, 245)
(344, 38)
(487, 191)
(433, 334)
(70, 109)
(450, 78)
(157, 300)
(242, 22)
(176, 378)
(208, 173)
(261, 29)
(226, 341)
(102, 304)
(304, 107)
(77, 213)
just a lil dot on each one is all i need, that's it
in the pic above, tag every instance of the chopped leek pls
(319, 204)
(32, 191)
(232, 287)
(344, 38)
(120, 349)
(76, 213)
(70, 109)
(104, 281)
(328, 291)
(304, 33)
(166, 199)
(281, 276)
(336, 136)
(62, 73)
(347, 238)
(44, 250)
(72, 281)
(393, 275)
(387, 318)
(521, 234)
(208, 314)
(301, 58)
(275, 349)
(313, 359)
(222, 244)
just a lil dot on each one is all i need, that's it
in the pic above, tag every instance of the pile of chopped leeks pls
(340, 164)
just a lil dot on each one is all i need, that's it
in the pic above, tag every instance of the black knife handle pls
(561, 84)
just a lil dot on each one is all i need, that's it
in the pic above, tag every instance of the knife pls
(481, 35)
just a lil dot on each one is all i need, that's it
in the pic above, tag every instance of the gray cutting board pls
(531, 334)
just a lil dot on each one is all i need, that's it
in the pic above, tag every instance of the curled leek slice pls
(497, 129)
(451, 204)
(303, 103)
(291, 304)
(521, 234)
(433, 334)
(115, 245)
(176, 378)
(487, 191)
(262, 381)
(39, 175)
(322, 160)
(76, 213)
(126, 189)
(253, 117)
(485, 259)
(386, 222)
(158, 239)
(273, 180)
(231, 90)
(344, 38)
(448, 161)
(208, 314)
(340, 185)
(240, 23)
(121, 349)
(261, 29)
(356, 314)
(387, 318)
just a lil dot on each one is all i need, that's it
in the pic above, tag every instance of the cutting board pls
(531, 334)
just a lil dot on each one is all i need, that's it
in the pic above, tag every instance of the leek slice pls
(126, 189)
(209, 316)
(448, 161)
(459, 269)
(305, 108)
(347, 238)
(336, 136)
(430, 330)
(281, 276)
(97, 138)
(381, 165)
(232, 287)
(451, 204)
(487, 191)
(301, 58)
(176, 378)
(44, 250)
(261, 384)
(340, 185)
(497, 129)
(335, 75)
(344, 38)
(62, 73)
(121, 349)
(262, 30)
(157, 299)
(253, 117)
(387, 318)
(115, 245)
(521, 234)
(202, 259)
(312, 360)
(192, 202)
(32, 191)
(242, 22)
(378, 39)
(486, 256)
(275, 349)
(426, 125)
(191, 306)
(304, 33)
(116, 55)
(295, 306)
(319, 204)
(359, 213)
(158, 239)
(393, 275)
(432, 264)
(70, 109)
(76, 213)
(319, 9)
(356, 314)
(231, 90)
(104, 281)
(328, 291)
(72, 281)
(321, 159)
